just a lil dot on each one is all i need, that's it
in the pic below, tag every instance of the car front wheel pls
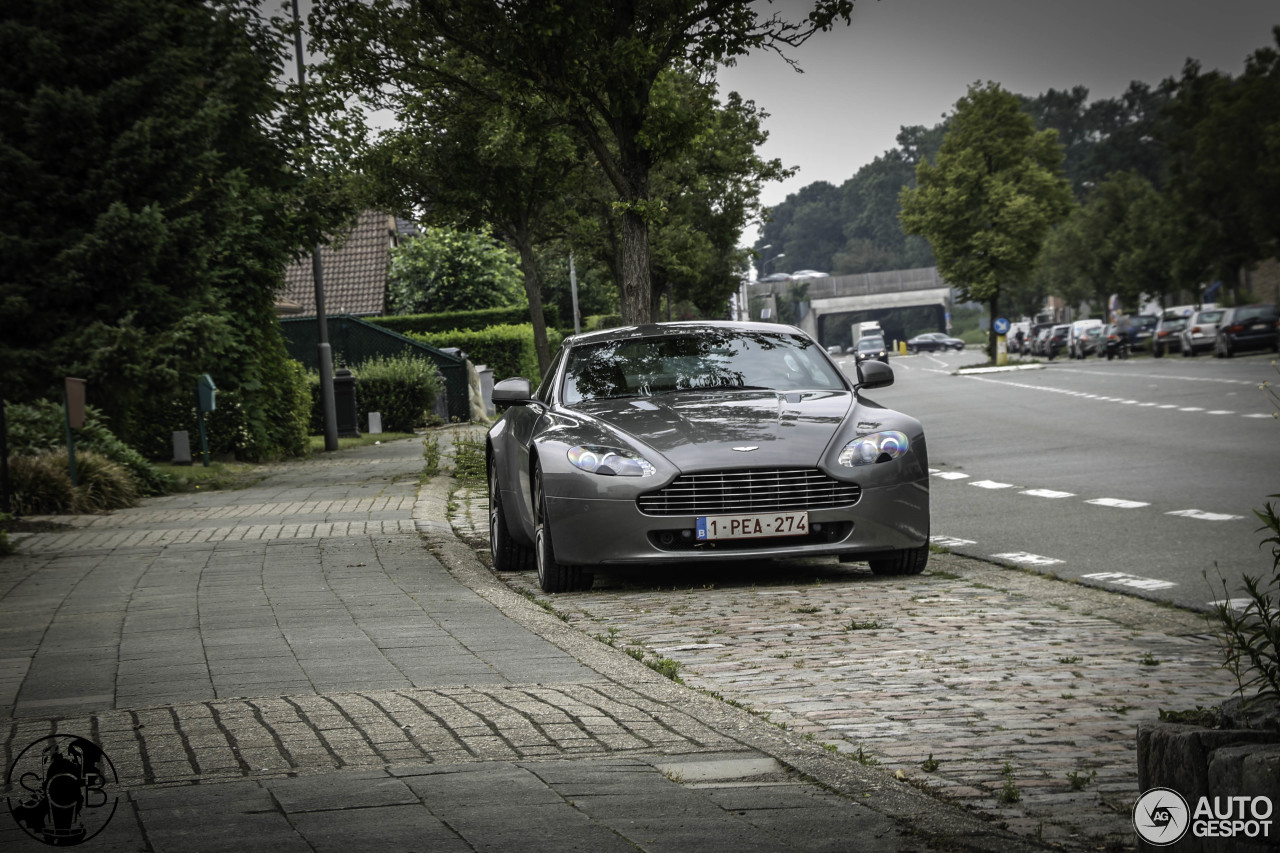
(552, 576)
(508, 555)
(910, 561)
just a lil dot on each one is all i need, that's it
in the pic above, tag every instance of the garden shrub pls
(41, 426)
(403, 388)
(39, 484)
(102, 484)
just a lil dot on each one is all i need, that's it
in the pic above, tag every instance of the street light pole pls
(324, 353)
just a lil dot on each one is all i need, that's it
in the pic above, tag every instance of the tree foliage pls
(445, 269)
(598, 66)
(1223, 135)
(152, 196)
(991, 198)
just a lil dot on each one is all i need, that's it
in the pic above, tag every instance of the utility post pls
(324, 354)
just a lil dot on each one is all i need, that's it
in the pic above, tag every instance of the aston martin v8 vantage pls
(678, 442)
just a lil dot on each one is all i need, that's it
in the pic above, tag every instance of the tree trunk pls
(633, 264)
(533, 289)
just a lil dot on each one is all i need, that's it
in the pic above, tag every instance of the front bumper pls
(595, 531)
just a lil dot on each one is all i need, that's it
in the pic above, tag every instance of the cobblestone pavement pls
(1008, 692)
(317, 663)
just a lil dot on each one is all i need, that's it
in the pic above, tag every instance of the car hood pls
(704, 429)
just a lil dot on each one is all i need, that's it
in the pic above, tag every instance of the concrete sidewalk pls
(317, 663)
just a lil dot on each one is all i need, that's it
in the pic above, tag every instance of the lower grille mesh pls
(755, 490)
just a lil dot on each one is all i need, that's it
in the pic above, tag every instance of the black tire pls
(508, 555)
(552, 575)
(910, 561)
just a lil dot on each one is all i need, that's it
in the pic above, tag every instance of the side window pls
(543, 394)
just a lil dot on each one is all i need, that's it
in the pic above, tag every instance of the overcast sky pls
(906, 62)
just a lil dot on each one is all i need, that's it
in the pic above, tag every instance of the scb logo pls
(63, 782)
(1161, 816)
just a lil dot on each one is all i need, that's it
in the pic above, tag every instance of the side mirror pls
(512, 392)
(874, 374)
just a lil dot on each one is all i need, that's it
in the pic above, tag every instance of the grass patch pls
(315, 443)
(469, 458)
(219, 475)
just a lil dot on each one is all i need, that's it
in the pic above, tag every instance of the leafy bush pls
(403, 388)
(470, 320)
(1250, 637)
(41, 426)
(103, 485)
(39, 484)
(508, 350)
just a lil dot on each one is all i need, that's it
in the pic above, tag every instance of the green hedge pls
(508, 350)
(427, 324)
(402, 388)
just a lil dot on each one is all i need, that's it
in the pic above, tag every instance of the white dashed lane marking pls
(1205, 516)
(1047, 493)
(1132, 581)
(1024, 558)
(991, 484)
(1084, 395)
(1118, 503)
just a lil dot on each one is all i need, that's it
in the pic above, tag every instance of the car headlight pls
(877, 447)
(610, 461)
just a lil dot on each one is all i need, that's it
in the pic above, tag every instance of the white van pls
(1077, 342)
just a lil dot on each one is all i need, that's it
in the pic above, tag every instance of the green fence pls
(354, 340)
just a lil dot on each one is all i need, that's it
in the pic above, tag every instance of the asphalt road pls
(1138, 475)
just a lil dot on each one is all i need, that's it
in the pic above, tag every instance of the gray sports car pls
(702, 441)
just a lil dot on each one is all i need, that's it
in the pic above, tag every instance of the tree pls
(1225, 162)
(598, 65)
(989, 201)
(153, 193)
(450, 270)
(473, 147)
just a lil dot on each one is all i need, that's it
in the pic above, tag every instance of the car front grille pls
(755, 490)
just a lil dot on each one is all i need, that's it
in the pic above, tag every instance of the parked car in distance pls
(1078, 329)
(1056, 341)
(869, 348)
(934, 342)
(1168, 335)
(1113, 342)
(1201, 331)
(669, 443)
(1248, 327)
(1086, 343)
(810, 274)
(777, 276)
(1142, 328)
(1035, 338)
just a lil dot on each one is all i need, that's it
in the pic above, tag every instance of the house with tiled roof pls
(354, 270)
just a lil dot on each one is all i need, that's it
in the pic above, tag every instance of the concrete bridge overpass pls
(905, 302)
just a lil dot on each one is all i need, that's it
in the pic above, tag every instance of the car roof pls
(651, 330)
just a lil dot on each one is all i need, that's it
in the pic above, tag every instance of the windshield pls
(703, 359)
(870, 344)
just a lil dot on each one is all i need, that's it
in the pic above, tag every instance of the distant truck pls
(869, 329)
